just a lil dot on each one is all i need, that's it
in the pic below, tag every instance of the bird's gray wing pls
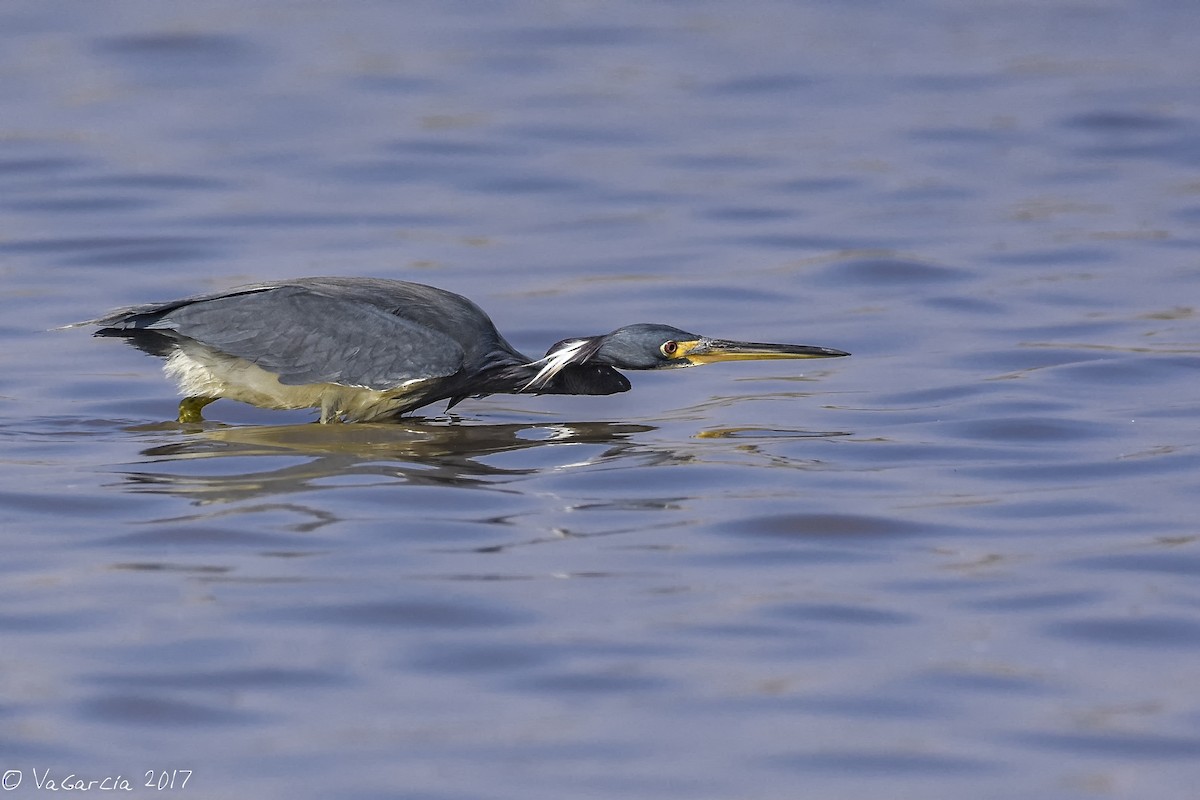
(304, 336)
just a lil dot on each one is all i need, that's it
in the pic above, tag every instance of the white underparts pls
(203, 372)
(553, 363)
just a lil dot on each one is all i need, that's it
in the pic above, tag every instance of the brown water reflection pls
(408, 451)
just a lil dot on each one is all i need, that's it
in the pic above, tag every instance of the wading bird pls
(368, 349)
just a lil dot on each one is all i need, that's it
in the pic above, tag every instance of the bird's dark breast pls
(591, 379)
(587, 379)
(514, 377)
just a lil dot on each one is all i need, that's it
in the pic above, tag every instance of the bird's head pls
(652, 346)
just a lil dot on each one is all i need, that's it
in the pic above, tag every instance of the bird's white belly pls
(203, 372)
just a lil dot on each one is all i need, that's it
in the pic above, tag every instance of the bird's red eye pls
(669, 348)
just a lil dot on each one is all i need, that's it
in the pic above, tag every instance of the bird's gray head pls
(645, 346)
(653, 346)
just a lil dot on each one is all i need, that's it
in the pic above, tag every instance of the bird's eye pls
(669, 349)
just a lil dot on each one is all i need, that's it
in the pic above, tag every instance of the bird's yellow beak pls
(708, 351)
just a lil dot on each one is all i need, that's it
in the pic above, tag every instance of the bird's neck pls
(567, 369)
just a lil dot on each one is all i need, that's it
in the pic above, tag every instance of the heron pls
(371, 349)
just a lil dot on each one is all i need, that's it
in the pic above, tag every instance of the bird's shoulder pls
(429, 306)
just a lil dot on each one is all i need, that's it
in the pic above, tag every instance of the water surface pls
(962, 563)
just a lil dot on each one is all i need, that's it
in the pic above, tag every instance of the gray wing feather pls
(308, 337)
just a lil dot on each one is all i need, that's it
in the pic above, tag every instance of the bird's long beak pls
(707, 351)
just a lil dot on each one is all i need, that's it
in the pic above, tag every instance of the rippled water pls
(962, 563)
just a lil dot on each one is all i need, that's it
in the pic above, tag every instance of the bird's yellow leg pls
(329, 411)
(190, 408)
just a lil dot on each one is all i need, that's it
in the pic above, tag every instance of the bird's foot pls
(190, 408)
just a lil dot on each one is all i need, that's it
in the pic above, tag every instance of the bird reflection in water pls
(411, 451)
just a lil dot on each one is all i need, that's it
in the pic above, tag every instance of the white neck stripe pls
(553, 363)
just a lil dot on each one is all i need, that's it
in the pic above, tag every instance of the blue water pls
(961, 563)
